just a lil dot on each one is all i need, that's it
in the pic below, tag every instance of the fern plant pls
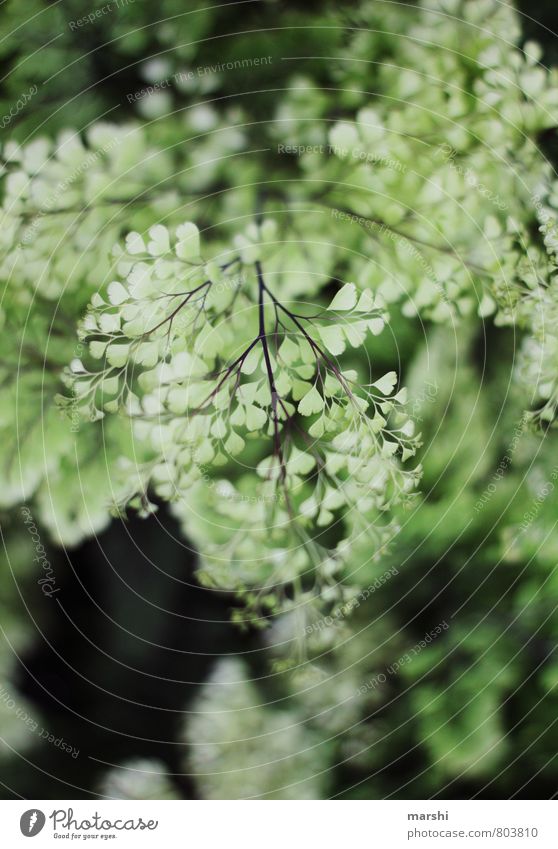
(215, 370)
(233, 283)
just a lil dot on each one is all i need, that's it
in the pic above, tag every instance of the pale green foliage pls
(65, 199)
(462, 727)
(215, 370)
(446, 177)
(288, 745)
(139, 778)
(281, 755)
(61, 212)
(231, 388)
(64, 205)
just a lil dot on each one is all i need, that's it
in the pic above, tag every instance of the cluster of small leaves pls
(444, 173)
(440, 219)
(63, 201)
(454, 694)
(537, 367)
(288, 746)
(64, 204)
(282, 755)
(215, 370)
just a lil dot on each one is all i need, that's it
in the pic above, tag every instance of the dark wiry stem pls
(278, 449)
(183, 303)
(225, 375)
(313, 344)
(177, 309)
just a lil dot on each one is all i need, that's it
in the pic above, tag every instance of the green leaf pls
(97, 349)
(309, 508)
(238, 416)
(300, 463)
(299, 389)
(355, 332)
(234, 444)
(289, 351)
(283, 383)
(306, 371)
(219, 429)
(269, 467)
(188, 241)
(117, 294)
(255, 418)
(117, 355)
(332, 337)
(345, 299)
(109, 322)
(317, 428)
(486, 306)
(110, 385)
(135, 243)
(205, 453)
(178, 400)
(389, 448)
(250, 364)
(386, 383)
(376, 326)
(147, 354)
(324, 518)
(160, 243)
(311, 403)
(365, 302)
(343, 137)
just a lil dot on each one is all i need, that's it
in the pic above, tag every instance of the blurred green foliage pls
(474, 712)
